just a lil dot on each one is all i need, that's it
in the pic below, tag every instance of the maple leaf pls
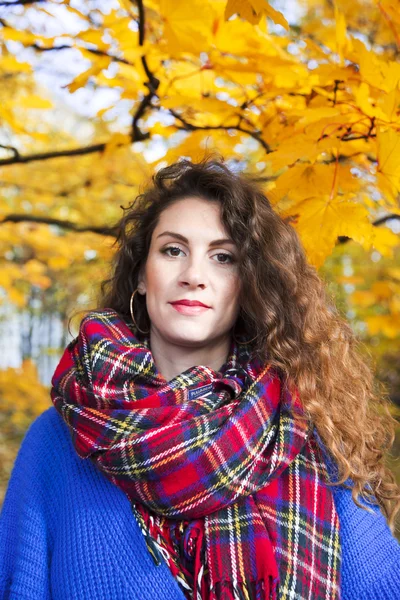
(325, 219)
(187, 25)
(253, 10)
(388, 171)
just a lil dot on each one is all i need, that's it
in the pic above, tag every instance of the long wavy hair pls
(285, 308)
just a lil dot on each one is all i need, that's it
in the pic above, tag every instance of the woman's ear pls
(141, 283)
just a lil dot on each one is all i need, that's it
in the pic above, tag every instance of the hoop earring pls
(133, 318)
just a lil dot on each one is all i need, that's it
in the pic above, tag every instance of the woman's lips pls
(189, 310)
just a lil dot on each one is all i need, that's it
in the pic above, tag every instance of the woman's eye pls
(166, 250)
(223, 257)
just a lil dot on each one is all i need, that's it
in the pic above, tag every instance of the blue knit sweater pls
(67, 533)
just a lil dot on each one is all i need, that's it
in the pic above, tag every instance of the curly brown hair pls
(286, 307)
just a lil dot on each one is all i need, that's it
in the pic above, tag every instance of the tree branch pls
(62, 193)
(153, 83)
(190, 127)
(92, 50)
(68, 225)
(55, 154)
(11, 149)
(21, 2)
(386, 218)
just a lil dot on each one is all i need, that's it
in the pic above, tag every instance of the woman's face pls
(191, 258)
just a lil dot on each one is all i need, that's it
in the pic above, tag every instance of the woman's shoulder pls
(44, 454)
(370, 552)
(48, 474)
(46, 432)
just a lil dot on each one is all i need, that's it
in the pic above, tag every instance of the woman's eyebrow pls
(184, 239)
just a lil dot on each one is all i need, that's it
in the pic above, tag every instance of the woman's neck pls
(173, 359)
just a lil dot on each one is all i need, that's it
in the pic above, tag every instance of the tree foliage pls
(310, 105)
(313, 109)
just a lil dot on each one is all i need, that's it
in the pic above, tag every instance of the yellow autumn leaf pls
(22, 396)
(34, 267)
(253, 10)
(40, 137)
(298, 146)
(383, 240)
(188, 81)
(388, 155)
(362, 97)
(382, 289)
(187, 26)
(206, 105)
(34, 101)
(378, 73)
(127, 5)
(323, 219)
(198, 143)
(327, 73)
(159, 129)
(394, 272)
(120, 29)
(25, 38)
(298, 182)
(352, 279)
(103, 111)
(341, 40)
(10, 63)
(275, 15)
(8, 116)
(305, 180)
(390, 104)
(117, 139)
(317, 114)
(41, 281)
(394, 305)
(241, 74)
(113, 20)
(249, 41)
(383, 108)
(8, 273)
(368, 104)
(388, 325)
(5, 278)
(391, 10)
(16, 297)
(58, 263)
(289, 76)
(82, 78)
(245, 9)
(128, 74)
(363, 298)
(93, 36)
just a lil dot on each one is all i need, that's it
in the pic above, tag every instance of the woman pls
(235, 437)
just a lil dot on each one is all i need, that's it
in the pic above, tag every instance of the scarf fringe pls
(245, 590)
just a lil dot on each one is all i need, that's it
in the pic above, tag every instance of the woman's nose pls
(194, 273)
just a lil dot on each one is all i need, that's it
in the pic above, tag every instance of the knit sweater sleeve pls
(370, 552)
(25, 530)
(67, 532)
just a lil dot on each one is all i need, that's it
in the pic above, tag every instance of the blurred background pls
(96, 95)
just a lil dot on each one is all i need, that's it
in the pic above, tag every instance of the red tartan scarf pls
(224, 478)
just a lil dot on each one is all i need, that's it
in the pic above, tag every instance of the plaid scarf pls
(224, 477)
